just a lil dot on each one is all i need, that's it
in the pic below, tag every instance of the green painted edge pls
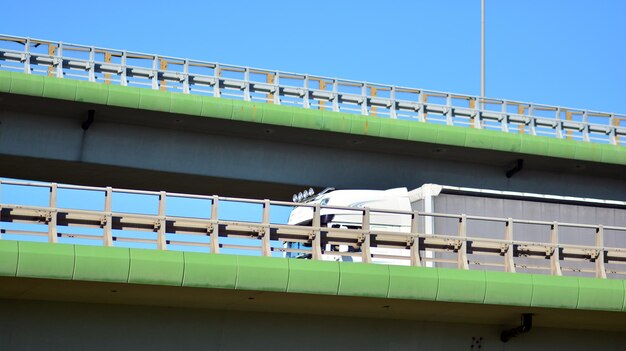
(415, 283)
(60, 89)
(278, 115)
(210, 270)
(124, 96)
(155, 100)
(63, 261)
(156, 267)
(456, 285)
(132, 97)
(9, 253)
(557, 292)
(26, 84)
(363, 279)
(600, 294)
(262, 273)
(5, 81)
(89, 92)
(217, 107)
(508, 289)
(105, 264)
(43, 260)
(186, 104)
(247, 111)
(313, 277)
(624, 305)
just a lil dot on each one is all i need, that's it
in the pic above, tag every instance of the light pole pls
(482, 52)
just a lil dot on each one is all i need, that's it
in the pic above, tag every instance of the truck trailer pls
(537, 218)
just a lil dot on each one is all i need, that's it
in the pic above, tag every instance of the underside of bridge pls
(102, 316)
(60, 296)
(57, 140)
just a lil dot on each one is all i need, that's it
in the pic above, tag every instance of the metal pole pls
(482, 52)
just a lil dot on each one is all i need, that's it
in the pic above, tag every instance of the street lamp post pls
(482, 52)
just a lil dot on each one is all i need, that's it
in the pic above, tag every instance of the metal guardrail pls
(111, 66)
(214, 234)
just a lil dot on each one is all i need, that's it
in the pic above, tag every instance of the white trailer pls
(434, 198)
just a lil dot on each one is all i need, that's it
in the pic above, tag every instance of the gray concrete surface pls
(38, 325)
(45, 141)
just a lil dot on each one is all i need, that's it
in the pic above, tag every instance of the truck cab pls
(393, 199)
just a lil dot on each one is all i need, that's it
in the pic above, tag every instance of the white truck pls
(434, 198)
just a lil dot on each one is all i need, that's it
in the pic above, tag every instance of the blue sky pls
(567, 53)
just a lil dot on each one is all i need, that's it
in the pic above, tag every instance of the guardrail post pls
(335, 95)
(505, 117)
(316, 242)
(555, 258)
(449, 110)
(107, 59)
(217, 72)
(266, 249)
(92, 64)
(306, 103)
(214, 229)
(59, 61)
(478, 119)
(163, 68)
(186, 77)
(613, 129)
(600, 269)
(123, 80)
(27, 56)
(423, 115)
(364, 111)
(415, 245)
(277, 88)
(509, 262)
(246, 84)
(568, 117)
(532, 126)
(520, 111)
(472, 106)
(558, 129)
(52, 222)
(161, 223)
(394, 104)
(107, 230)
(51, 53)
(462, 251)
(365, 231)
(585, 126)
(373, 93)
(155, 73)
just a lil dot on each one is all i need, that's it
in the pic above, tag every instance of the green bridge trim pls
(223, 108)
(202, 270)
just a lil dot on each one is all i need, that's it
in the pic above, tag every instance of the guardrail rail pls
(126, 68)
(210, 232)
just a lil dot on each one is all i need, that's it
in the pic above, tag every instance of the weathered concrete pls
(32, 325)
(43, 139)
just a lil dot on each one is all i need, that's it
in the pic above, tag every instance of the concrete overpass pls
(140, 138)
(69, 296)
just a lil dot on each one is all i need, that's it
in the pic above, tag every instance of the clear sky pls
(562, 52)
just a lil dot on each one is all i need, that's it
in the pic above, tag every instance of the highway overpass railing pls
(222, 225)
(126, 68)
